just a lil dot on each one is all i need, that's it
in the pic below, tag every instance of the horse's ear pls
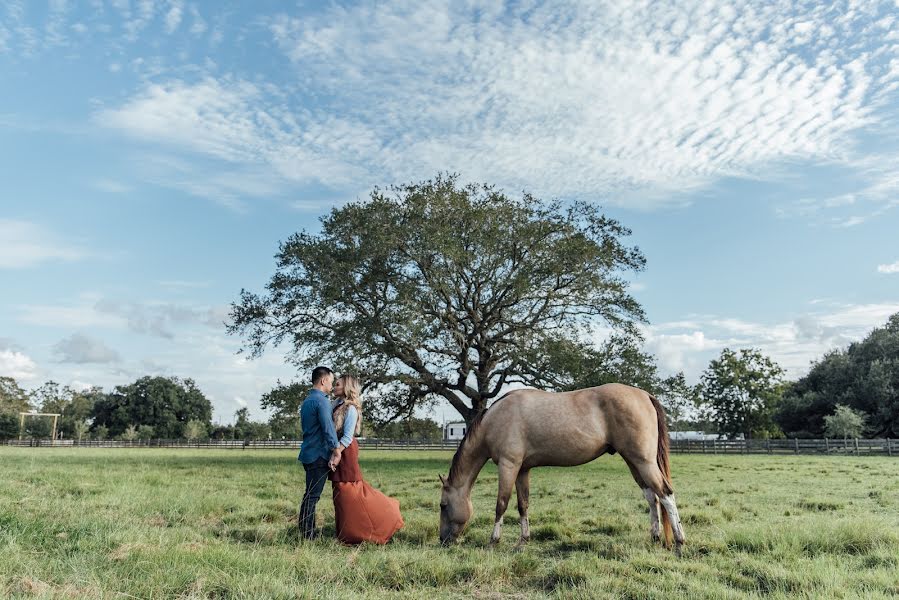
(442, 479)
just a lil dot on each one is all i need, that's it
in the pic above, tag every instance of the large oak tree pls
(443, 290)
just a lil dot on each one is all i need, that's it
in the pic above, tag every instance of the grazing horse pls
(531, 428)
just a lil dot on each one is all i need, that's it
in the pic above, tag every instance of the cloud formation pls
(80, 349)
(17, 365)
(689, 345)
(584, 100)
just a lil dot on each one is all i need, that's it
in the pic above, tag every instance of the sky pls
(153, 153)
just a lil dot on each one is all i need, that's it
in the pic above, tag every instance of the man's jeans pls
(316, 474)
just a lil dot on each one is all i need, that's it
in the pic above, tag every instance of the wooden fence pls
(858, 447)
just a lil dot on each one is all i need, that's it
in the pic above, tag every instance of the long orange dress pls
(362, 513)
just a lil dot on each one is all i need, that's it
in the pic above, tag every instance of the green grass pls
(79, 523)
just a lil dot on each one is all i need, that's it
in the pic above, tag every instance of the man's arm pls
(327, 424)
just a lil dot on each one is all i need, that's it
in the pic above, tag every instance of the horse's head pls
(455, 512)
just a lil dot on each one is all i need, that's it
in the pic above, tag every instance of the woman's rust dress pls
(362, 513)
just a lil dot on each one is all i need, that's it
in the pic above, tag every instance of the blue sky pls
(153, 154)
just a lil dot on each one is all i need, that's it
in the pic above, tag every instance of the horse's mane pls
(469, 433)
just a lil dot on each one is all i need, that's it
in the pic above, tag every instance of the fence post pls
(889, 447)
(856, 446)
(796, 442)
(827, 445)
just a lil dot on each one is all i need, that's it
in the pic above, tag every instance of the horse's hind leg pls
(523, 491)
(507, 474)
(650, 473)
(651, 499)
(670, 507)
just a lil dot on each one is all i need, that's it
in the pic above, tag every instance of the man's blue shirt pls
(319, 436)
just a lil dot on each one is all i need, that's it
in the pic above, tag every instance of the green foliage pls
(442, 290)
(618, 360)
(844, 423)
(13, 399)
(130, 434)
(864, 377)
(195, 430)
(9, 426)
(82, 431)
(284, 402)
(679, 398)
(739, 392)
(409, 429)
(165, 404)
(73, 407)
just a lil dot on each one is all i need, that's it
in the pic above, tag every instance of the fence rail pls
(887, 446)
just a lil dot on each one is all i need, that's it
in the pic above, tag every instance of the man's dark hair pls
(318, 373)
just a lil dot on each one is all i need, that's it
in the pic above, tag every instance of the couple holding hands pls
(330, 451)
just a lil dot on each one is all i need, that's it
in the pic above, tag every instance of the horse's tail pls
(662, 459)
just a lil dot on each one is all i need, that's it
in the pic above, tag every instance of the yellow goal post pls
(22, 416)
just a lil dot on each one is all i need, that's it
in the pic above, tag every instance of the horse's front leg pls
(523, 491)
(507, 474)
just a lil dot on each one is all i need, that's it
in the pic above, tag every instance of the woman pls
(362, 513)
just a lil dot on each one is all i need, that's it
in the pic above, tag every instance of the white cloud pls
(892, 268)
(199, 26)
(173, 17)
(17, 365)
(689, 345)
(24, 244)
(572, 100)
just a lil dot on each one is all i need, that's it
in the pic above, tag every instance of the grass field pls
(221, 524)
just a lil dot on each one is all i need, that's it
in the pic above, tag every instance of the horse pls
(530, 428)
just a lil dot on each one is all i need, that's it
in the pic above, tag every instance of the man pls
(320, 451)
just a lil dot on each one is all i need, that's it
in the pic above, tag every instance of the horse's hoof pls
(520, 546)
(677, 549)
(493, 543)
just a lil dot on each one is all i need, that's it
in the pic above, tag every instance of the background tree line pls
(851, 392)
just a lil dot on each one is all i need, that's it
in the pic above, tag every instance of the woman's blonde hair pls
(352, 391)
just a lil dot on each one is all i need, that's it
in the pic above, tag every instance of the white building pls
(692, 435)
(454, 431)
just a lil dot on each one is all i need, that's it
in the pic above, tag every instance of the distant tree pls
(679, 398)
(864, 377)
(9, 426)
(222, 431)
(618, 360)
(439, 290)
(165, 404)
(81, 430)
(101, 432)
(130, 434)
(74, 407)
(739, 392)
(13, 399)
(844, 423)
(410, 429)
(146, 432)
(284, 401)
(195, 430)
